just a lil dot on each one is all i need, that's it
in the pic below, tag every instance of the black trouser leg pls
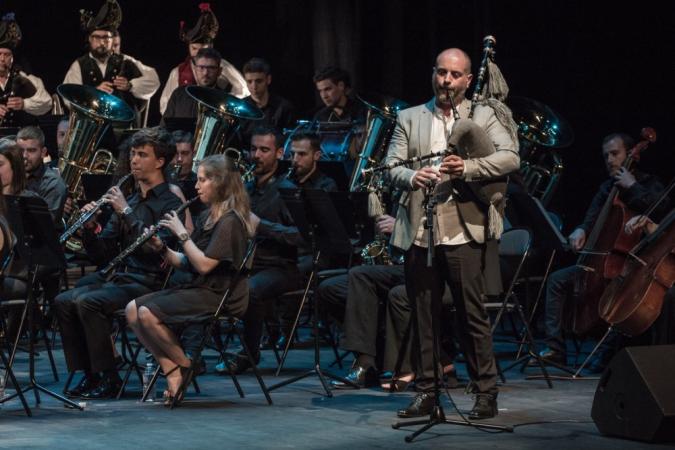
(461, 267)
(367, 290)
(72, 333)
(95, 309)
(332, 293)
(264, 286)
(399, 332)
(559, 287)
(399, 328)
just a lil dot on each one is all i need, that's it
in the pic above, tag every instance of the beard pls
(442, 94)
(100, 52)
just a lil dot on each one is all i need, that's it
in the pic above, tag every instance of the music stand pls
(319, 223)
(95, 185)
(546, 235)
(33, 227)
(337, 171)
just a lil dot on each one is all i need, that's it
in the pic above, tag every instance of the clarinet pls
(86, 216)
(142, 239)
(9, 86)
(488, 52)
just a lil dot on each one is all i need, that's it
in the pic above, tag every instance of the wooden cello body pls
(633, 301)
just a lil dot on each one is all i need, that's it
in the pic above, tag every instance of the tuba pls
(92, 111)
(218, 119)
(380, 123)
(541, 131)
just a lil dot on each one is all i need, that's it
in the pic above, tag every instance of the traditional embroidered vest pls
(185, 75)
(17, 86)
(116, 66)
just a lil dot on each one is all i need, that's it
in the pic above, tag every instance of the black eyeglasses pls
(210, 68)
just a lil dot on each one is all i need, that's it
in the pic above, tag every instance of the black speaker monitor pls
(635, 397)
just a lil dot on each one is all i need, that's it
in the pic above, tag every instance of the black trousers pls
(265, 286)
(84, 315)
(367, 290)
(559, 288)
(462, 268)
(332, 294)
(398, 348)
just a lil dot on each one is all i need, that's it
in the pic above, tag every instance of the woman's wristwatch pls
(183, 237)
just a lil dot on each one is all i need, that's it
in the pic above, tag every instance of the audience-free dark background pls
(603, 67)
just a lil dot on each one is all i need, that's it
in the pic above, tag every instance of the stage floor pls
(301, 417)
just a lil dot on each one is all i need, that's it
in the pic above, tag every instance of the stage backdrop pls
(604, 68)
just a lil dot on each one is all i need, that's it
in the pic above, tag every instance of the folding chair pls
(209, 328)
(304, 294)
(514, 248)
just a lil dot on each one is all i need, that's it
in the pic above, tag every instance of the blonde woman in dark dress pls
(213, 253)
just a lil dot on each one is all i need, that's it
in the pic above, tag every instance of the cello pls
(606, 249)
(632, 302)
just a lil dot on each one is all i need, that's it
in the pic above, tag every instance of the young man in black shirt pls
(275, 268)
(84, 312)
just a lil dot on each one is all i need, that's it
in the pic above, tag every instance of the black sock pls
(93, 376)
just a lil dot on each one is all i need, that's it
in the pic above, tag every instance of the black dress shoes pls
(236, 364)
(549, 355)
(86, 384)
(362, 378)
(484, 408)
(107, 388)
(422, 405)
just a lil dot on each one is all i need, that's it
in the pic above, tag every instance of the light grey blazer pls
(411, 138)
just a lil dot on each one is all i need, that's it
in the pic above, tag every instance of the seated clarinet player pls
(213, 253)
(84, 312)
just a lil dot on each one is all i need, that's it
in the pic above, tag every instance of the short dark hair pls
(14, 155)
(159, 139)
(333, 73)
(314, 139)
(208, 53)
(264, 130)
(255, 65)
(627, 140)
(31, 132)
(182, 137)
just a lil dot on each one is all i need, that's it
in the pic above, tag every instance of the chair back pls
(515, 242)
(243, 266)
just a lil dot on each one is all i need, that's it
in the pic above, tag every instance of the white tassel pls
(374, 205)
(495, 223)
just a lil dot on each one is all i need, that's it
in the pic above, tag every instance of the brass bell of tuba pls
(218, 119)
(541, 131)
(380, 123)
(92, 111)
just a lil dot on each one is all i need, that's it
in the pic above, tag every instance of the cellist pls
(637, 191)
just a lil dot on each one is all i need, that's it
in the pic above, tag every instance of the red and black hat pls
(10, 33)
(109, 18)
(206, 29)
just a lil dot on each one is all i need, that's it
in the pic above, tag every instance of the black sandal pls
(170, 400)
(398, 385)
